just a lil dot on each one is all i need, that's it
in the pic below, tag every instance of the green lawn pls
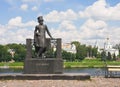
(12, 65)
(83, 63)
(89, 63)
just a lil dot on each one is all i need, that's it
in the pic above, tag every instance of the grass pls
(12, 65)
(89, 63)
(84, 63)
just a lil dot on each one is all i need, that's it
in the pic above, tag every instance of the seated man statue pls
(40, 37)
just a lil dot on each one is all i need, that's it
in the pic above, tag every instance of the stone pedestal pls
(43, 66)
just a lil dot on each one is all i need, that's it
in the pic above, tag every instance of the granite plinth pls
(43, 66)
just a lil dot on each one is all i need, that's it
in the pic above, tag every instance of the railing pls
(56, 43)
(113, 71)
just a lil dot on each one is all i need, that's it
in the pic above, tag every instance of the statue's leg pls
(42, 51)
(37, 51)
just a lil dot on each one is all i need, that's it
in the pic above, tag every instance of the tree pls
(20, 51)
(4, 55)
(109, 57)
(103, 56)
(81, 51)
(77, 44)
(68, 56)
(114, 57)
(94, 52)
(50, 53)
(89, 51)
(117, 46)
(98, 55)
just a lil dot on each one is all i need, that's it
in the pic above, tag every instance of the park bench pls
(113, 71)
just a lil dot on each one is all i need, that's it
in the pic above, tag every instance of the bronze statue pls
(40, 37)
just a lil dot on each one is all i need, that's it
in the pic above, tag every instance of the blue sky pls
(44, 7)
(86, 21)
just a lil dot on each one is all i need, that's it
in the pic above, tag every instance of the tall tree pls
(109, 57)
(4, 55)
(89, 51)
(94, 52)
(117, 46)
(114, 57)
(81, 51)
(68, 56)
(103, 56)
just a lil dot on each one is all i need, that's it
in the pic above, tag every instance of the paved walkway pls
(94, 82)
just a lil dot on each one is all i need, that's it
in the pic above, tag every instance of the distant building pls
(108, 47)
(69, 47)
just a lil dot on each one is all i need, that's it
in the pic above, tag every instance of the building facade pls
(69, 47)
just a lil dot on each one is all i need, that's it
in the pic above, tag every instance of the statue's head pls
(40, 19)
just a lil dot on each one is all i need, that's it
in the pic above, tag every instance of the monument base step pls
(65, 76)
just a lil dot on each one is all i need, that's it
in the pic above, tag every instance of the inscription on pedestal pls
(42, 64)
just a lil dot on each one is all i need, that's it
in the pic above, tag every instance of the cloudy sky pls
(86, 21)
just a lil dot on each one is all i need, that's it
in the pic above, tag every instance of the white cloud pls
(34, 8)
(95, 25)
(24, 7)
(92, 29)
(67, 25)
(16, 31)
(88, 33)
(70, 35)
(101, 10)
(114, 33)
(56, 16)
(3, 30)
(17, 22)
(67, 31)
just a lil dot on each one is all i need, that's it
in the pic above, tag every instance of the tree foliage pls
(19, 49)
(103, 56)
(114, 57)
(68, 56)
(109, 57)
(82, 51)
(117, 46)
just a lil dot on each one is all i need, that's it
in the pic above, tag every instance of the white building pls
(69, 47)
(109, 48)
